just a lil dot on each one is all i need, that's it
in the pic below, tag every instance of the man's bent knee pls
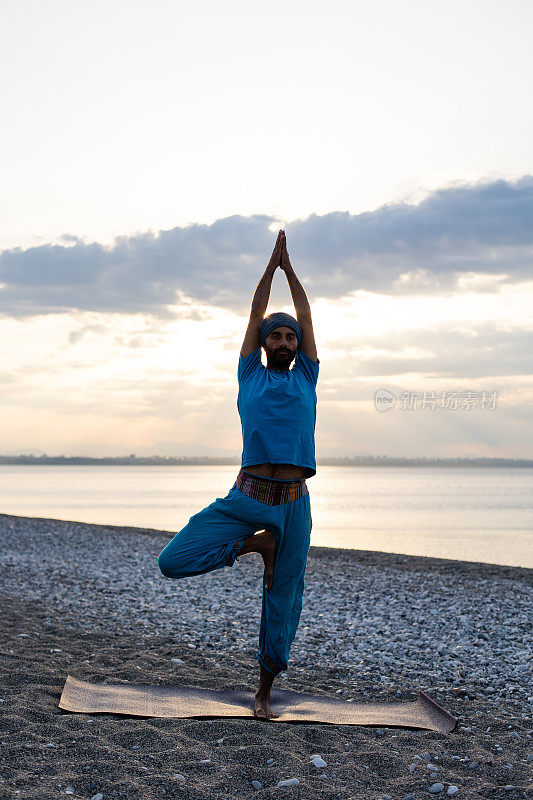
(168, 567)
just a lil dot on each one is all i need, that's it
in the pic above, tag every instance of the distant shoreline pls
(185, 461)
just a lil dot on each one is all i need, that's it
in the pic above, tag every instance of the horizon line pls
(236, 460)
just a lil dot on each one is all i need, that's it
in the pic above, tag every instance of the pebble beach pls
(89, 601)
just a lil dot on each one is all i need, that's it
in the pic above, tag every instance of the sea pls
(471, 514)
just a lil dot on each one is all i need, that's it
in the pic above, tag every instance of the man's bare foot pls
(262, 708)
(263, 542)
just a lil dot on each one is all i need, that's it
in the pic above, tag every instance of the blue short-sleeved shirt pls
(278, 412)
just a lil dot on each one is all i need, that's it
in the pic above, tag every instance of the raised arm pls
(252, 337)
(301, 304)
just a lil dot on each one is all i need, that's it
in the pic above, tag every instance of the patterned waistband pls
(270, 492)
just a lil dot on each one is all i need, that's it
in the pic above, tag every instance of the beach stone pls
(436, 788)
(473, 765)
(529, 758)
(409, 797)
(179, 776)
(98, 796)
(270, 761)
(257, 785)
(69, 790)
(36, 548)
(318, 761)
(509, 788)
(288, 782)
(177, 661)
(412, 768)
(451, 790)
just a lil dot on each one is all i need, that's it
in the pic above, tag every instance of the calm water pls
(468, 514)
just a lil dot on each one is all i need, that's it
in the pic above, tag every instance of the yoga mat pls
(191, 701)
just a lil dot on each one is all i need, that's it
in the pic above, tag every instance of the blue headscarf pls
(279, 320)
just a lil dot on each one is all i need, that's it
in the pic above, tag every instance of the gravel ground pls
(89, 600)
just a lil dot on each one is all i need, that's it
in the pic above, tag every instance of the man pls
(267, 511)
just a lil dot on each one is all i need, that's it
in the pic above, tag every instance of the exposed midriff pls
(280, 471)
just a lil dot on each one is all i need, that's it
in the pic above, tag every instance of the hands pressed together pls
(280, 257)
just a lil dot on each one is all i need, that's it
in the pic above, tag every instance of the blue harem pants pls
(214, 537)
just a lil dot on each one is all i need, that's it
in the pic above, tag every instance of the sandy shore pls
(89, 601)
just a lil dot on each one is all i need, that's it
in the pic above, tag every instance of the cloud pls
(400, 248)
(78, 335)
(445, 352)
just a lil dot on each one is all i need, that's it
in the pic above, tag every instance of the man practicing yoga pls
(268, 510)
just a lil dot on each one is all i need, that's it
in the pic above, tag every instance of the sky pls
(150, 153)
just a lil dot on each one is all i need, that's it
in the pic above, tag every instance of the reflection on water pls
(483, 514)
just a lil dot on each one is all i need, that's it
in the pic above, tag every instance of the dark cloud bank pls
(482, 228)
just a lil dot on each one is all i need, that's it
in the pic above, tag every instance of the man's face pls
(280, 347)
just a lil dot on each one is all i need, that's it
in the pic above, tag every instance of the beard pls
(276, 358)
